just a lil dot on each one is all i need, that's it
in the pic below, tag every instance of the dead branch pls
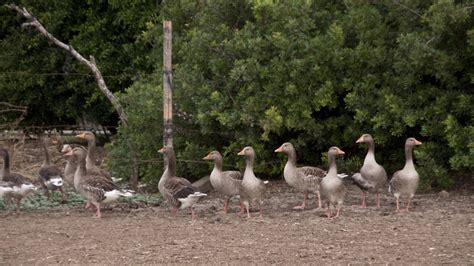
(10, 121)
(32, 21)
(407, 8)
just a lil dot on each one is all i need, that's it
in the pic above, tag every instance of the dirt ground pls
(436, 231)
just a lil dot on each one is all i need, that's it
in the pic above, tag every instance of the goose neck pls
(332, 166)
(249, 163)
(409, 157)
(91, 147)
(170, 169)
(70, 167)
(6, 164)
(80, 172)
(370, 152)
(218, 165)
(47, 160)
(291, 157)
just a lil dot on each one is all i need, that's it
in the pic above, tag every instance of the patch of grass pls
(147, 199)
(39, 201)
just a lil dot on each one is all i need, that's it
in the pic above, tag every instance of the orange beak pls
(207, 157)
(241, 152)
(417, 142)
(279, 149)
(340, 152)
(162, 150)
(361, 139)
(81, 136)
(69, 153)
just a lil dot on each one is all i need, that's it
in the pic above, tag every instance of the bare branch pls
(9, 105)
(407, 8)
(11, 121)
(92, 65)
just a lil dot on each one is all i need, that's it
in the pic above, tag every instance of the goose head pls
(166, 150)
(66, 148)
(213, 155)
(411, 142)
(366, 138)
(335, 151)
(285, 147)
(247, 151)
(78, 152)
(87, 135)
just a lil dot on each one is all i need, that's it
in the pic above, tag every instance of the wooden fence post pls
(167, 86)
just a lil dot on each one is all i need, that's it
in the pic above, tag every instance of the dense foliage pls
(56, 88)
(316, 73)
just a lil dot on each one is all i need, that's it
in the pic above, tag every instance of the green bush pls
(317, 74)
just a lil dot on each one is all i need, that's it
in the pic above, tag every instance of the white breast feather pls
(23, 189)
(115, 194)
(5, 191)
(54, 181)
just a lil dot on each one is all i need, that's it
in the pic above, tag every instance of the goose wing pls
(361, 182)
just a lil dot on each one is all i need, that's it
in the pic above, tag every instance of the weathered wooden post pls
(167, 86)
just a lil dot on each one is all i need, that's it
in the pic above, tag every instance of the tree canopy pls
(260, 72)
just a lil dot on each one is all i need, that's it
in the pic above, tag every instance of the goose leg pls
(63, 195)
(398, 203)
(328, 211)
(261, 211)
(97, 213)
(320, 206)
(362, 196)
(242, 209)
(408, 203)
(48, 195)
(303, 205)
(378, 199)
(18, 205)
(226, 205)
(193, 215)
(339, 207)
(247, 207)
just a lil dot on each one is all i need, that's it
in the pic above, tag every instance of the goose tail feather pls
(361, 182)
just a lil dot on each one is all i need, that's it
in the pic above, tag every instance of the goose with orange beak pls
(332, 186)
(405, 182)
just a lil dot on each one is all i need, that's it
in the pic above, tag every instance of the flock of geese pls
(98, 187)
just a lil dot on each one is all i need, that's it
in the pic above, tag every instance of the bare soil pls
(437, 230)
